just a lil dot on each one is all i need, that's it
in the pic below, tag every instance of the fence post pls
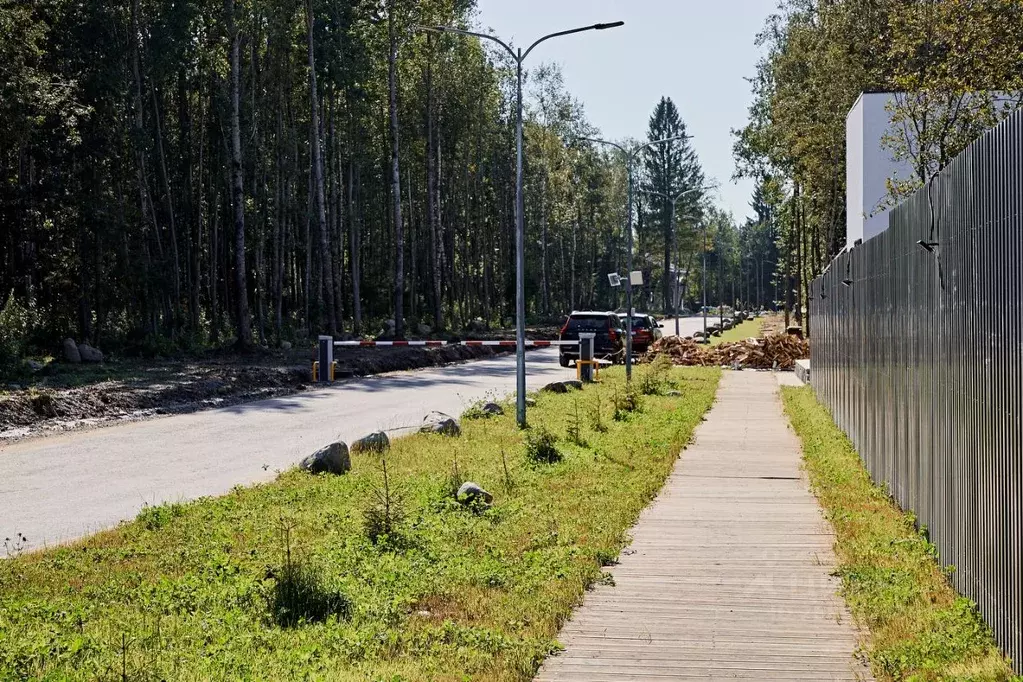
(586, 357)
(325, 355)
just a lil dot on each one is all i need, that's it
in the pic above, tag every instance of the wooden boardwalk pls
(728, 575)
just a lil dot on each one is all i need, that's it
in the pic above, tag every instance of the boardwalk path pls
(728, 575)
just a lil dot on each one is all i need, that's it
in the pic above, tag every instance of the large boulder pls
(438, 422)
(374, 442)
(89, 354)
(470, 492)
(71, 353)
(424, 330)
(574, 383)
(555, 387)
(285, 345)
(333, 459)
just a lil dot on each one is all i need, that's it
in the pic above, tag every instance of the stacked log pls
(776, 351)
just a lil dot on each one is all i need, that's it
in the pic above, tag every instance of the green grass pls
(920, 629)
(743, 331)
(280, 581)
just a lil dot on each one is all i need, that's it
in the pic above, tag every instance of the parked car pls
(645, 330)
(607, 344)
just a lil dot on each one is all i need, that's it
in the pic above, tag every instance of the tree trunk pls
(326, 261)
(399, 226)
(432, 200)
(242, 322)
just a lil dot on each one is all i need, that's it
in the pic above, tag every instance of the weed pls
(157, 516)
(656, 376)
(508, 483)
(13, 547)
(300, 595)
(541, 446)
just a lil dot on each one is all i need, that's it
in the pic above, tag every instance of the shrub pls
(300, 595)
(541, 446)
(14, 331)
(382, 519)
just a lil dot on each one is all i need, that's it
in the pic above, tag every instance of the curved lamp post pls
(518, 56)
(630, 158)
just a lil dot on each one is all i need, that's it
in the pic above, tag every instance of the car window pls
(586, 323)
(638, 322)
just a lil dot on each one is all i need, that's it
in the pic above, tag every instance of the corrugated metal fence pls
(917, 350)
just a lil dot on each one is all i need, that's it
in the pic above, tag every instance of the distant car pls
(645, 330)
(607, 344)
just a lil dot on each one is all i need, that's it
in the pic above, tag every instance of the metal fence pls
(918, 352)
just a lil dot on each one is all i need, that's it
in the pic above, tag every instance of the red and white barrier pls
(511, 344)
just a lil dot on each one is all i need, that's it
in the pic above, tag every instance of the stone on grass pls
(285, 345)
(574, 383)
(673, 394)
(470, 492)
(374, 442)
(530, 402)
(333, 459)
(71, 353)
(89, 354)
(492, 410)
(555, 387)
(438, 422)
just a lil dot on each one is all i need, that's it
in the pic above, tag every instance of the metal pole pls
(704, 287)
(628, 285)
(520, 263)
(674, 252)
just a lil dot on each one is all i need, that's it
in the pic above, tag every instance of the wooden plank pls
(729, 572)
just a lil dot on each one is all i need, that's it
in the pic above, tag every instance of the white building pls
(869, 165)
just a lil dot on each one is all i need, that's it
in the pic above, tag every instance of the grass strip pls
(282, 581)
(920, 628)
(741, 332)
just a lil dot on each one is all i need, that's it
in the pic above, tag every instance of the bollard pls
(325, 355)
(586, 357)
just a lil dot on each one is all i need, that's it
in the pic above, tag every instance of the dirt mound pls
(68, 398)
(775, 351)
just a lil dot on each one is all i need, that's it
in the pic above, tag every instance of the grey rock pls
(333, 459)
(424, 330)
(555, 387)
(492, 410)
(673, 394)
(89, 354)
(438, 422)
(71, 353)
(285, 345)
(470, 492)
(374, 442)
(530, 402)
(577, 385)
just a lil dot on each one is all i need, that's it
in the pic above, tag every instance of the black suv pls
(608, 342)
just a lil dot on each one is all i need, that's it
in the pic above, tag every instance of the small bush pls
(597, 414)
(574, 429)
(541, 447)
(626, 401)
(383, 518)
(157, 516)
(656, 376)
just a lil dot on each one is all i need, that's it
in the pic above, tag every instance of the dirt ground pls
(62, 397)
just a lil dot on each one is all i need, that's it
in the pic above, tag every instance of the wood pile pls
(776, 351)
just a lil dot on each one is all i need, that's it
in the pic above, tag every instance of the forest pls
(185, 175)
(817, 57)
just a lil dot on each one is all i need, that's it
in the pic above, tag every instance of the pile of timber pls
(776, 351)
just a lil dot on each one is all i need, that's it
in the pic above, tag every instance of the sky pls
(697, 52)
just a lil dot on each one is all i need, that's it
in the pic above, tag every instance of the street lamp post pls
(674, 200)
(630, 158)
(520, 232)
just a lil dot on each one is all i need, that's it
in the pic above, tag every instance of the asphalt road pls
(687, 325)
(57, 488)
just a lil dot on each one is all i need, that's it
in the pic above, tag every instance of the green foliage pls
(573, 430)
(655, 376)
(207, 594)
(383, 518)
(542, 446)
(14, 332)
(920, 629)
(626, 401)
(156, 517)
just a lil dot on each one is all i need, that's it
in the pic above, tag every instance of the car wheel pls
(563, 361)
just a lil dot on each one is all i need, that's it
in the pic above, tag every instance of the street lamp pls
(520, 239)
(671, 226)
(630, 158)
